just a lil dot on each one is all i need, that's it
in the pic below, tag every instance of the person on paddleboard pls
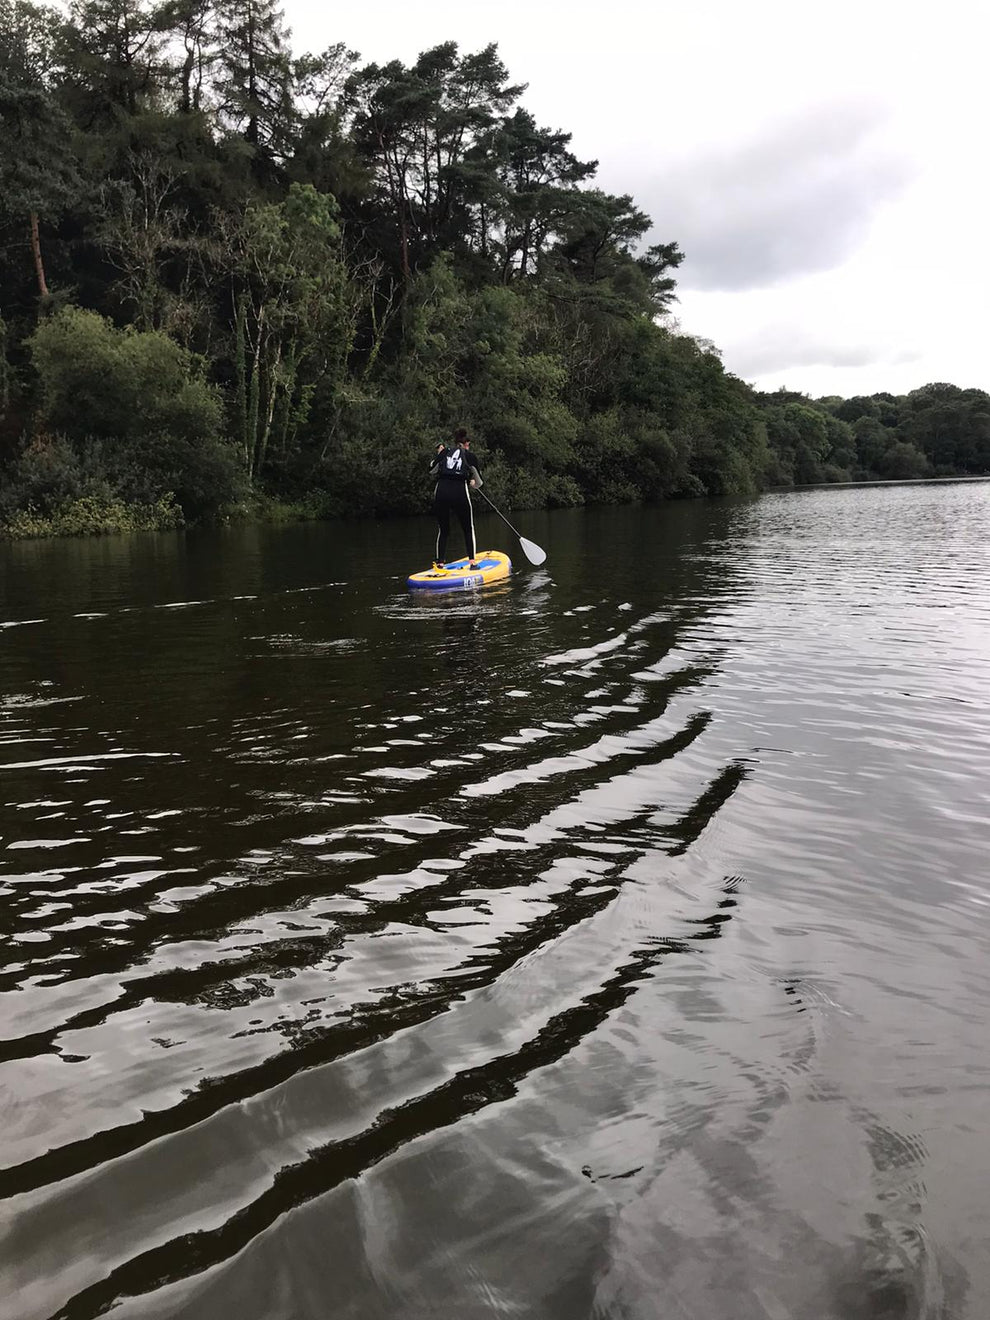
(456, 470)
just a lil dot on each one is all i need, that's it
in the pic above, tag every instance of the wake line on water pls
(589, 890)
(328, 1044)
(70, 762)
(93, 615)
(467, 1091)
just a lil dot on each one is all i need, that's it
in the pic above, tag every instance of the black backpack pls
(455, 464)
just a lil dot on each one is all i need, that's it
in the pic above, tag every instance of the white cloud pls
(798, 197)
(784, 346)
(821, 166)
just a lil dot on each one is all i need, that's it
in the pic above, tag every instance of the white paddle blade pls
(532, 552)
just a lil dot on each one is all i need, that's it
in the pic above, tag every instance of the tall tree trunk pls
(4, 373)
(128, 62)
(241, 387)
(254, 393)
(269, 413)
(185, 103)
(404, 240)
(397, 191)
(36, 250)
(252, 128)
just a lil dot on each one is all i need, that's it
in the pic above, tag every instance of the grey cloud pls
(795, 201)
(776, 348)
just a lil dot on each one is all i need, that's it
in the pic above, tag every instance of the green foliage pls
(841, 454)
(313, 507)
(938, 430)
(949, 425)
(254, 73)
(37, 170)
(295, 311)
(141, 402)
(902, 461)
(799, 435)
(418, 130)
(873, 439)
(518, 205)
(112, 51)
(56, 489)
(97, 380)
(275, 282)
(92, 515)
(47, 473)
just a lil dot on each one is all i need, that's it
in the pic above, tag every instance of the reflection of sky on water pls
(601, 937)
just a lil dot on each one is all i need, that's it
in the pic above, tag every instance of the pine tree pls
(535, 192)
(254, 74)
(38, 173)
(192, 26)
(114, 59)
(416, 127)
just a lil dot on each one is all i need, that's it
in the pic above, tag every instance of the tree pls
(416, 127)
(31, 35)
(599, 246)
(841, 453)
(4, 371)
(902, 462)
(254, 75)
(138, 402)
(851, 410)
(522, 201)
(38, 174)
(950, 425)
(873, 439)
(192, 24)
(113, 59)
(140, 228)
(294, 313)
(799, 435)
(314, 259)
(323, 152)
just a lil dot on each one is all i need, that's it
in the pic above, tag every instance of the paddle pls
(529, 548)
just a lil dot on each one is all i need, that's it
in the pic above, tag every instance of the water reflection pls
(569, 945)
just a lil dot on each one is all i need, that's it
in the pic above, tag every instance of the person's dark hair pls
(460, 435)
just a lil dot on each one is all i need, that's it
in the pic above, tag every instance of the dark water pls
(613, 943)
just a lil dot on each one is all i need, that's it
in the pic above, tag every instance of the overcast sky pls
(823, 166)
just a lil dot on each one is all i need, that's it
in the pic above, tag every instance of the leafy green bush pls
(141, 402)
(563, 492)
(318, 504)
(47, 473)
(902, 462)
(92, 515)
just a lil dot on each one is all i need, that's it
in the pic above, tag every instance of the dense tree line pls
(936, 431)
(232, 274)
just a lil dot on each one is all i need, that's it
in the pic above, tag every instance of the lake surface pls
(614, 942)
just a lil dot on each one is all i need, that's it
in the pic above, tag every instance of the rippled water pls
(610, 943)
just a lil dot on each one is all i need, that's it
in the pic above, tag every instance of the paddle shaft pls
(500, 514)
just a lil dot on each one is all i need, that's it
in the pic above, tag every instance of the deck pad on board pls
(492, 565)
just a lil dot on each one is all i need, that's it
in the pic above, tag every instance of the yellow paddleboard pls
(492, 565)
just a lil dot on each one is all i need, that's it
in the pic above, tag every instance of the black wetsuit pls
(453, 471)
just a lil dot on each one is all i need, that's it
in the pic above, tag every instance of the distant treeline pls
(232, 277)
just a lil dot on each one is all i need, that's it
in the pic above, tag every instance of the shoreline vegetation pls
(237, 282)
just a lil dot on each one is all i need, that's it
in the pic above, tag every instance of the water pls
(613, 943)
